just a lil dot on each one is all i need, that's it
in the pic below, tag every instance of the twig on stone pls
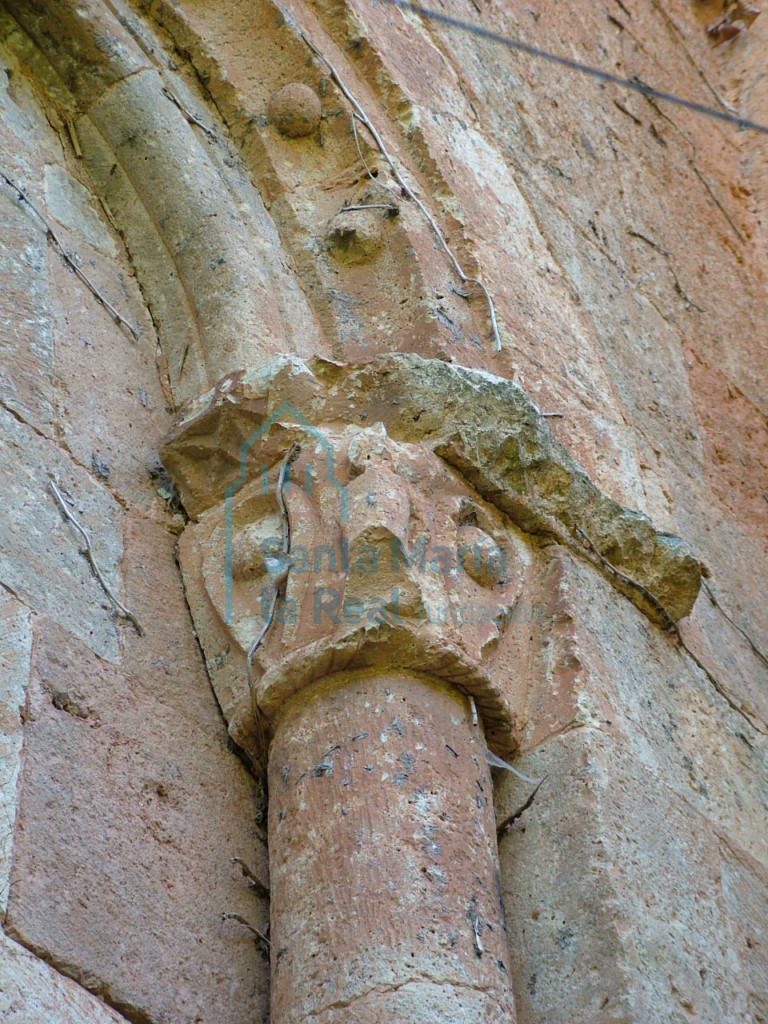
(183, 359)
(190, 117)
(69, 259)
(363, 118)
(668, 623)
(648, 241)
(368, 171)
(256, 642)
(624, 110)
(290, 456)
(126, 614)
(755, 649)
(73, 138)
(229, 915)
(472, 710)
(689, 303)
(110, 216)
(392, 210)
(253, 881)
(510, 819)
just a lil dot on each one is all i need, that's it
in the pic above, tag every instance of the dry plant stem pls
(290, 456)
(74, 139)
(69, 259)
(253, 881)
(370, 206)
(364, 162)
(190, 117)
(668, 623)
(256, 642)
(110, 215)
(473, 711)
(503, 825)
(361, 115)
(93, 563)
(230, 916)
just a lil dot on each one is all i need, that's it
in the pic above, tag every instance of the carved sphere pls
(248, 561)
(295, 110)
(480, 556)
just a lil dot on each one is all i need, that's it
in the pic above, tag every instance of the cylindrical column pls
(384, 873)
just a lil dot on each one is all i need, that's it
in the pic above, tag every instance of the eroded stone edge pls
(484, 426)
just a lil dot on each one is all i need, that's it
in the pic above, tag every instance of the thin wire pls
(629, 83)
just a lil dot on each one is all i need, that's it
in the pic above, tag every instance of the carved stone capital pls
(393, 563)
(396, 539)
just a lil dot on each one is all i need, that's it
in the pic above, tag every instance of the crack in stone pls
(418, 979)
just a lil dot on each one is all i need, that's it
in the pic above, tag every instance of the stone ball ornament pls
(295, 110)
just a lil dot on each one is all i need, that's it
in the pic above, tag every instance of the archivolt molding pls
(205, 251)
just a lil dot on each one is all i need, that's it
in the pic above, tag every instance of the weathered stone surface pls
(131, 810)
(15, 656)
(355, 236)
(25, 329)
(210, 310)
(741, 673)
(305, 187)
(93, 51)
(377, 577)
(623, 241)
(613, 894)
(110, 403)
(40, 557)
(599, 666)
(31, 992)
(75, 208)
(236, 301)
(745, 885)
(26, 341)
(392, 909)
(482, 425)
(630, 420)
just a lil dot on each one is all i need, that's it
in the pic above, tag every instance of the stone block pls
(26, 335)
(32, 992)
(745, 888)
(602, 665)
(77, 209)
(132, 806)
(15, 654)
(613, 894)
(40, 558)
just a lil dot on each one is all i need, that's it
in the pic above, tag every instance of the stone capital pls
(402, 534)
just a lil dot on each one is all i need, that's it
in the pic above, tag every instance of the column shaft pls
(383, 861)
